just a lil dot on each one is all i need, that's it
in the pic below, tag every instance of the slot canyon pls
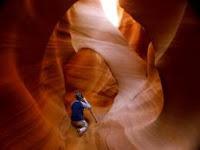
(136, 62)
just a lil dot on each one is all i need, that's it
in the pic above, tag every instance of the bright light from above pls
(110, 8)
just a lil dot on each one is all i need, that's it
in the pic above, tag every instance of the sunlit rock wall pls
(89, 73)
(35, 45)
(139, 100)
(179, 118)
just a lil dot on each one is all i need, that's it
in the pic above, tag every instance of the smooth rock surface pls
(153, 109)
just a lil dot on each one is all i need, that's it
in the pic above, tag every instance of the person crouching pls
(77, 116)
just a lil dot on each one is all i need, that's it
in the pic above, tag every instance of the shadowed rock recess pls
(141, 76)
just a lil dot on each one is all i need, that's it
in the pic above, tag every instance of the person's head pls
(78, 95)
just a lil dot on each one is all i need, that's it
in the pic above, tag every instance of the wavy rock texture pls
(28, 121)
(132, 108)
(40, 70)
(162, 19)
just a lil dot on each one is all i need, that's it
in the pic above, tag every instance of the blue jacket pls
(77, 108)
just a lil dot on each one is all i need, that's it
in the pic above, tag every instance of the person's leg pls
(84, 127)
(81, 125)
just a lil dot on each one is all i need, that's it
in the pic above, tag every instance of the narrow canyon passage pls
(115, 80)
(141, 77)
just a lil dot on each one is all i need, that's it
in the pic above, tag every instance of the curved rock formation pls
(38, 64)
(131, 108)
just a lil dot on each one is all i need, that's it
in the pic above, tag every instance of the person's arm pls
(86, 104)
